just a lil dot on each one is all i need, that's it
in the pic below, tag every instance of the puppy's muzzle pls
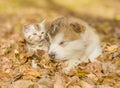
(52, 55)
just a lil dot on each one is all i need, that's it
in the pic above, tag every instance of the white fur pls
(31, 30)
(86, 48)
(34, 64)
(42, 25)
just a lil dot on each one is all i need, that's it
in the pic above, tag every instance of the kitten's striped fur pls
(36, 36)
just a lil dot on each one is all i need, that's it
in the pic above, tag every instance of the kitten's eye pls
(34, 33)
(42, 33)
(61, 43)
(30, 37)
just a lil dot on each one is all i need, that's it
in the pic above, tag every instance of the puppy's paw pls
(70, 65)
(66, 70)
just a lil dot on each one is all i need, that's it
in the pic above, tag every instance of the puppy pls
(73, 41)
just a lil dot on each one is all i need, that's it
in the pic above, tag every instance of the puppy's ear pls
(79, 28)
(58, 24)
(53, 29)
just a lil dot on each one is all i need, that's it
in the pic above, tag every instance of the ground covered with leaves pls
(15, 61)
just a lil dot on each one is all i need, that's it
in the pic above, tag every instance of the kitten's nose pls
(52, 55)
(40, 36)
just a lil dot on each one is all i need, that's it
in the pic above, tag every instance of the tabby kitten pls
(36, 36)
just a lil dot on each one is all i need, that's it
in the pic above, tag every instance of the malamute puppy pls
(73, 41)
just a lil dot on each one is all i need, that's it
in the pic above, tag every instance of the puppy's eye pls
(61, 43)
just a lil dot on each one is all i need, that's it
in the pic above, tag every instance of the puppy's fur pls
(74, 41)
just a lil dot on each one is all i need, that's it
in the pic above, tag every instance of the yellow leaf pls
(16, 51)
(112, 48)
(117, 17)
(81, 74)
(31, 72)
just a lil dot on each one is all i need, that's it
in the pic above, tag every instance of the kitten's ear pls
(25, 29)
(42, 23)
(79, 28)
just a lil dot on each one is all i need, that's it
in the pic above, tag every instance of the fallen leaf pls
(45, 82)
(5, 64)
(59, 81)
(84, 84)
(4, 76)
(112, 48)
(72, 81)
(94, 67)
(108, 67)
(75, 86)
(81, 74)
(22, 84)
(31, 72)
(117, 17)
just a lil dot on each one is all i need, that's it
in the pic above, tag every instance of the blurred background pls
(104, 15)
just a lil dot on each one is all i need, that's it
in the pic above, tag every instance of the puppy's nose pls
(52, 55)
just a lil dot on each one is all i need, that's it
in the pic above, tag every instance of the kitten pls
(36, 38)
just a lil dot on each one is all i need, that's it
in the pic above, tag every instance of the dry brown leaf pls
(22, 84)
(23, 59)
(5, 48)
(112, 48)
(41, 86)
(59, 81)
(117, 85)
(75, 86)
(108, 67)
(72, 81)
(92, 77)
(45, 82)
(5, 64)
(4, 76)
(117, 17)
(31, 72)
(103, 86)
(84, 84)
(95, 68)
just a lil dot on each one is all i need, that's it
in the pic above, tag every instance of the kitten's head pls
(34, 33)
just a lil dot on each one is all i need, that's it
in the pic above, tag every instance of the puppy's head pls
(65, 38)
